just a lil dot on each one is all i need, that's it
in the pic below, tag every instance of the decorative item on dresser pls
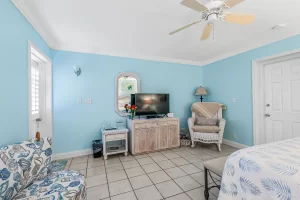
(147, 135)
(130, 109)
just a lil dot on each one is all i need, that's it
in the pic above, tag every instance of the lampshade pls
(201, 91)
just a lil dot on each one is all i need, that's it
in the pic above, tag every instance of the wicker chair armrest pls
(191, 123)
(222, 123)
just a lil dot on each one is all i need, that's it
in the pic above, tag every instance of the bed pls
(264, 172)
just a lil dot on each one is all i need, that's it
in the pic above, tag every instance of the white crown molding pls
(54, 43)
(49, 39)
(98, 50)
(242, 50)
(72, 154)
(234, 144)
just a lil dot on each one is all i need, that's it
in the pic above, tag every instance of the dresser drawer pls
(139, 126)
(167, 123)
(163, 124)
(146, 125)
(151, 125)
(172, 122)
(115, 137)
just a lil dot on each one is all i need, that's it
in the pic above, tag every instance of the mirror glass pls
(126, 84)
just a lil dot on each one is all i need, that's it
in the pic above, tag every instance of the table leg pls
(105, 157)
(206, 191)
(126, 153)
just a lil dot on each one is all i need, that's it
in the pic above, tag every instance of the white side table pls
(120, 134)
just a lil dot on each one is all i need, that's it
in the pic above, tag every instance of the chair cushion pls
(206, 129)
(216, 165)
(65, 184)
(23, 163)
(202, 121)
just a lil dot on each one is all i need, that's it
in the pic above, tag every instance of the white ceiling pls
(139, 28)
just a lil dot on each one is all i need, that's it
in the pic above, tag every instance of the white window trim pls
(35, 115)
(258, 86)
(40, 57)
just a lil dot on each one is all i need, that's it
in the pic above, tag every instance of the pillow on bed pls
(202, 121)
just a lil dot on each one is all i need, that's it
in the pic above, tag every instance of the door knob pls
(268, 105)
(267, 115)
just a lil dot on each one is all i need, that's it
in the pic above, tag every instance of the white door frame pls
(47, 64)
(258, 87)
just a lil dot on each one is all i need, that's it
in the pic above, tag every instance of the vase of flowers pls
(127, 107)
(132, 110)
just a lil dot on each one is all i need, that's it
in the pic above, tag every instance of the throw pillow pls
(202, 121)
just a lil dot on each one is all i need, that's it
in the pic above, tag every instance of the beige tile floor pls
(175, 174)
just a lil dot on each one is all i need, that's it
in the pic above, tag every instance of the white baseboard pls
(85, 152)
(234, 144)
(72, 154)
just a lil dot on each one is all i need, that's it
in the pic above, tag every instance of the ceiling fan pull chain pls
(213, 32)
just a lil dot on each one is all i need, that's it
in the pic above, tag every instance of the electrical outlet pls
(88, 101)
(234, 135)
(79, 101)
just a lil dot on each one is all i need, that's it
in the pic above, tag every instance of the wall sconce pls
(77, 70)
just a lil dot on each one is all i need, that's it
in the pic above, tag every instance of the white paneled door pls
(282, 100)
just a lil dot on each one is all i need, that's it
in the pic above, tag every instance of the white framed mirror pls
(126, 83)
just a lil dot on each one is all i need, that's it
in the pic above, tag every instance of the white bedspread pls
(264, 172)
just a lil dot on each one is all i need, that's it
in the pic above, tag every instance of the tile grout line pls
(161, 169)
(173, 181)
(108, 187)
(129, 181)
(168, 180)
(151, 179)
(153, 182)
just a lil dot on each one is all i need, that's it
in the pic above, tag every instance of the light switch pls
(88, 101)
(79, 101)
(233, 99)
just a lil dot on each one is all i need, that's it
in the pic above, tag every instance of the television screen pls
(151, 104)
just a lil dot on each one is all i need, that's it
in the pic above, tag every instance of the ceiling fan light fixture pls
(278, 26)
(212, 17)
(215, 10)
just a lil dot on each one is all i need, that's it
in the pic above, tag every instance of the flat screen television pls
(150, 104)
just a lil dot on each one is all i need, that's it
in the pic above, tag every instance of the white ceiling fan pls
(215, 10)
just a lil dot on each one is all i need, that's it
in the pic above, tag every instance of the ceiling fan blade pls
(193, 4)
(239, 18)
(206, 32)
(182, 28)
(232, 3)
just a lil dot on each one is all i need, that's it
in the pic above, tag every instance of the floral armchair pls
(207, 134)
(25, 173)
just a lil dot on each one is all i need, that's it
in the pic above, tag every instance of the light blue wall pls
(232, 77)
(75, 125)
(15, 31)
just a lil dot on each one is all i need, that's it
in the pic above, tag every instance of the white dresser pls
(147, 135)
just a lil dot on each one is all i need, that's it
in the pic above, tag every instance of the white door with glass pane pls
(38, 105)
(282, 100)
